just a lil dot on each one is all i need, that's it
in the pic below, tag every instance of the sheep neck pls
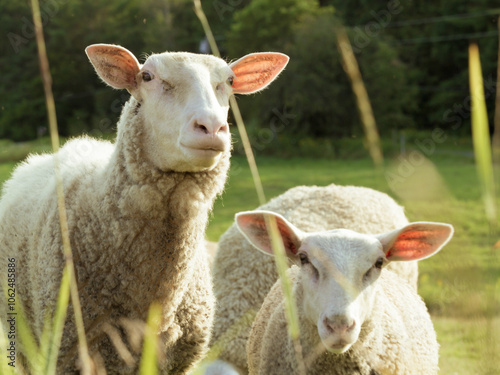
(157, 225)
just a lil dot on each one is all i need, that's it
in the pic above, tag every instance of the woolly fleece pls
(243, 276)
(137, 235)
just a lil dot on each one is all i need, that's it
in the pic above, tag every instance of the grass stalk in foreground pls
(484, 165)
(149, 358)
(481, 137)
(51, 110)
(49, 346)
(351, 67)
(277, 243)
(496, 134)
(4, 367)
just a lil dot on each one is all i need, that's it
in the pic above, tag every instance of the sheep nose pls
(339, 324)
(210, 125)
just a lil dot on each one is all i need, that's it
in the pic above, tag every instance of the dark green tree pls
(315, 89)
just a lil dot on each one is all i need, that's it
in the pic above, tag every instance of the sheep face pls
(339, 269)
(183, 99)
(186, 99)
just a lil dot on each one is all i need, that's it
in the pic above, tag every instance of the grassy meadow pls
(461, 285)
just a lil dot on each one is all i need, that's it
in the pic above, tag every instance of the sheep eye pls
(147, 76)
(230, 81)
(303, 258)
(378, 265)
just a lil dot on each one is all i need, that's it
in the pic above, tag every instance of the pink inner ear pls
(408, 250)
(116, 65)
(417, 244)
(255, 229)
(287, 236)
(257, 71)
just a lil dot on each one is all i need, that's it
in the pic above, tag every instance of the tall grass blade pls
(51, 110)
(484, 165)
(277, 243)
(496, 134)
(4, 366)
(290, 303)
(51, 348)
(198, 9)
(351, 67)
(28, 343)
(248, 150)
(23, 340)
(481, 137)
(149, 360)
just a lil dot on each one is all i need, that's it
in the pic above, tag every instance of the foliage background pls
(413, 57)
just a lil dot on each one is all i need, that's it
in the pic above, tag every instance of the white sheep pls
(355, 316)
(243, 276)
(137, 209)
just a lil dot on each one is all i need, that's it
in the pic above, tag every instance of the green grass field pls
(461, 285)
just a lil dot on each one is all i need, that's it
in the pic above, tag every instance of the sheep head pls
(184, 99)
(339, 268)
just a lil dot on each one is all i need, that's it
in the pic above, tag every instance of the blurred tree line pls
(413, 58)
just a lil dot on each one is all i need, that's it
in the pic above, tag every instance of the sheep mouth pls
(336, 346)
(205, 149)
(214, 148)
(205, 153)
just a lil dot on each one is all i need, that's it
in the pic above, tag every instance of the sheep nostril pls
(201, 128)
(329, 325)
(223, 129)
(339, 326)
(351, 327)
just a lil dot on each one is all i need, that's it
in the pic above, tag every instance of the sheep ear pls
(256, 71)
(415, 241)
(116, 65)
(252, 224)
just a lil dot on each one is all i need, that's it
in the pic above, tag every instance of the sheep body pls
(243, 277)
(356, 317)
(137, 209)
(112, 283)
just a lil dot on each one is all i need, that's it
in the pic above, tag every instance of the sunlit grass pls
(463, 346)
(481, 136)
(484, 164)
(150, 347)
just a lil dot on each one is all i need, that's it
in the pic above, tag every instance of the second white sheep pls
(243, 276)
(356, 317)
